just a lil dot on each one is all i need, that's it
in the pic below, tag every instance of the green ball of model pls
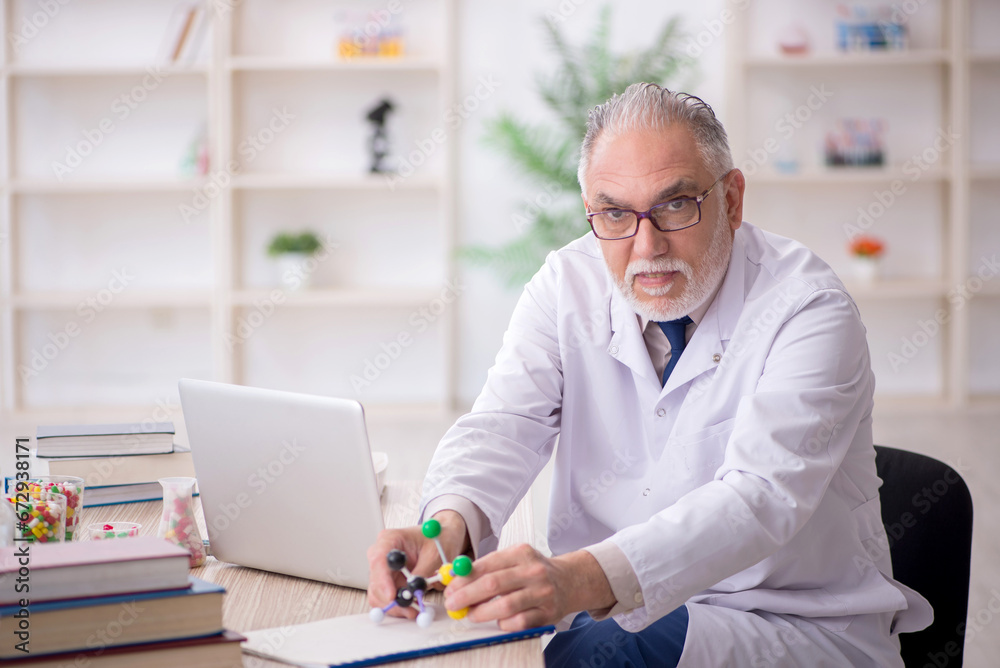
(462, 565)
(431, 529)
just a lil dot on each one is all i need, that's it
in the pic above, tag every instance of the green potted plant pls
(292, 252)
(585, 75)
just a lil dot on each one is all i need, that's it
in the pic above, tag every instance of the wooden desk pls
(258, 599)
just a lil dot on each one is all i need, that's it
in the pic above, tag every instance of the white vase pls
(865, 269)
(294, 271)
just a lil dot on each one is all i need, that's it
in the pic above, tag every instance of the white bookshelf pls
(196, 280)
(943, 219)
(402, 298)
(279, 181)
(30, 301)
(898, 289)
(272, 64)
(822, 175)
(102, 70)
(984, 172)
(849, 60)
(106, 185)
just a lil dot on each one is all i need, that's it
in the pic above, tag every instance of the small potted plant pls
(292, 253)
(865, 253)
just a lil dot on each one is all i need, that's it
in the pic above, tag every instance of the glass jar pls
(69, 486)
(177, 523)
(40, 516)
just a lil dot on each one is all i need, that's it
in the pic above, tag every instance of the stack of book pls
(110, 603)
(119, 463)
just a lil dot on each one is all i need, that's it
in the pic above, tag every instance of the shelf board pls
(30, 416)
(851, 59)
(378, 297)
(111, 70)
(990, 289)
(898, 288)
(132, 298)
(822, 175)
(983, 403)
(24, 418)
(105, 185)
(901, 403)
(983, 58)
(984, 171)
(335, 182)
(272, 64)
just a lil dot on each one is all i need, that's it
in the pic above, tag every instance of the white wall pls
(505, 42)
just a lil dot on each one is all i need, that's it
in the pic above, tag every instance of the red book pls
(78, 569)
(218, 651)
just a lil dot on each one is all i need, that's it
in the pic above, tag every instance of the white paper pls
(356, 637)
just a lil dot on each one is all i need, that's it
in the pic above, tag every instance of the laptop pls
(286, 480)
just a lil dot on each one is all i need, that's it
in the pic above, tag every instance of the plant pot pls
(294, 272)
(865, 269)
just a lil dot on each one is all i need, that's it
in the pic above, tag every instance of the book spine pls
(185, 31)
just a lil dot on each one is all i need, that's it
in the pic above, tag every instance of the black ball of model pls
(396, 560)
(404, 597)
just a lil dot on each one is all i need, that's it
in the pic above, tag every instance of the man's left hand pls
(521, 588)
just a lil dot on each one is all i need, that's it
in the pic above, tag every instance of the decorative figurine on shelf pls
(863, 28)
(865, 253)
(793, 40)
(380, 141)
(369, 35)
(856, 142)
(196, 160)
(416, 586)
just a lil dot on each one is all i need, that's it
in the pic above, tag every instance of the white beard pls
(696, 289)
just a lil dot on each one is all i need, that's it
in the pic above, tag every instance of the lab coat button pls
(716, 358)
(613, 350)
(645, 492)
(638, 598)
(661, 412)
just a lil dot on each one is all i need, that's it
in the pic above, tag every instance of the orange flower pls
(865, 246)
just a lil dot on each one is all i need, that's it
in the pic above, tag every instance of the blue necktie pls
(674, 329)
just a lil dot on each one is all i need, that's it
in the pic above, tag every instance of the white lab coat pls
(747, 482)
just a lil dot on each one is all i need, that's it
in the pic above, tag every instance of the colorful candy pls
(177, 524)
(41, 516)
(114, 530)
(69, 486)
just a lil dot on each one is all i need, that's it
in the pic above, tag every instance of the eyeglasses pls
(677, 214)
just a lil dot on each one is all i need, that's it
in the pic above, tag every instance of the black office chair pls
(927, 513)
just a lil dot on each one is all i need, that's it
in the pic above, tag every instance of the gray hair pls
(646, 106)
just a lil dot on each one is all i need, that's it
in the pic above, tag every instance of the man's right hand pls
(422, 558)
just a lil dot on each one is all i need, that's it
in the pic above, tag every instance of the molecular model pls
(415, 585)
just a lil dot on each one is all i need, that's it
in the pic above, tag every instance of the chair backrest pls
(927, 513)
